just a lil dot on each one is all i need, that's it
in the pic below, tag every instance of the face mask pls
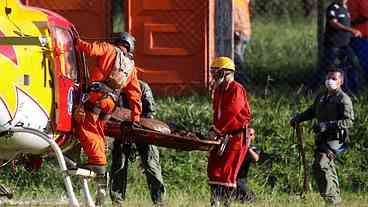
(219, 81)
(218, 77)
(331, 85)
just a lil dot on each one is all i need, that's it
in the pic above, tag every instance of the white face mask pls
(331, 85)
(219, 81)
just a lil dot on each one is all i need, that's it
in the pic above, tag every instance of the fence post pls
(320, 29)
(224, 28)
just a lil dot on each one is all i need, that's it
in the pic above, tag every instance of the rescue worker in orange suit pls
(230, 119)
(242, 35)
(115, 71)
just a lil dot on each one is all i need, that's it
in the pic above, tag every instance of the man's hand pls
(79, 114)
(136, 125)
(322, 126)
(213, 133)
(295, 120)
(356, 33)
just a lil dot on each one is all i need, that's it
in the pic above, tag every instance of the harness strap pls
(108, 92)
(104, 88)
(95, 108)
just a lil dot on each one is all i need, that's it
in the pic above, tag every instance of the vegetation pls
(284, 51)
(277, 8)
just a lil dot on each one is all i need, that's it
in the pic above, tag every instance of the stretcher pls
(157, 133)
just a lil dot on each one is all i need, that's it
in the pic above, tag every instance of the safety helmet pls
(224, 63)
(124, 37)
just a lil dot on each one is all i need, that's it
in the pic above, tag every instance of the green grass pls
(274, 200)
(185, 200)
(283, 49)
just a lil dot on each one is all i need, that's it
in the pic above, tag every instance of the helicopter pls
(39, 74)
(42, 75)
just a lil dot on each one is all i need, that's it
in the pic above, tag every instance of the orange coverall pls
(242, 18)
(91, 132)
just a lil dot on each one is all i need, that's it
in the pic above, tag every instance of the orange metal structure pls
(175, 38)
(92, 18)
(173, 43)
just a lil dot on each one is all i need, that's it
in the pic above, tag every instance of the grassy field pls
(184, 200)
(310, 200)
(283, 50)
(276, 181)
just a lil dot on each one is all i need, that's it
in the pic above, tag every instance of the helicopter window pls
(64, 42)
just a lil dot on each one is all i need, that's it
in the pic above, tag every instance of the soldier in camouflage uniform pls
(333, 111)
(149, 156)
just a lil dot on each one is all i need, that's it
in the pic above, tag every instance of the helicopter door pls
(65, 74)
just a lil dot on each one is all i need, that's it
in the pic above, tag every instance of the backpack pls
(121, 70)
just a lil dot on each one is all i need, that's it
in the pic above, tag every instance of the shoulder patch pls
(336, 6)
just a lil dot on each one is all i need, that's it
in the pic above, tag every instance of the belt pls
(236, 131)
(104, 88)
(95, 108)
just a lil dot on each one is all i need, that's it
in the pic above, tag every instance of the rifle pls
(299, 135)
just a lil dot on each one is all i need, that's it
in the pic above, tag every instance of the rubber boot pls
(101, 188)
(215, 196)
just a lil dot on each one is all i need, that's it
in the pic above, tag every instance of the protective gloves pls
(136, 125)
(213, 133)
(322, 126)
(295, 120)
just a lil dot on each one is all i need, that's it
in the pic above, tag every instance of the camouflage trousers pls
(149, 155)
(326, 178)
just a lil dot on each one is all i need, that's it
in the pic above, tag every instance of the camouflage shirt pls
(331, 108)
(148, 103)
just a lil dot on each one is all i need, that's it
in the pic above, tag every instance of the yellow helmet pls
(223, 62)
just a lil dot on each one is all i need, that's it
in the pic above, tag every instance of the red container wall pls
(92, 18)
(173, 38)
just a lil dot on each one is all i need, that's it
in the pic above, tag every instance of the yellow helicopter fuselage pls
(38, 71)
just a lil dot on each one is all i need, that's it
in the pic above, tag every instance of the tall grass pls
(285, 49)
